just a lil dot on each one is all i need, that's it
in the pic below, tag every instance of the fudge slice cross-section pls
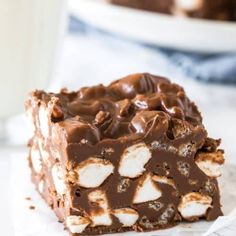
(133, 155)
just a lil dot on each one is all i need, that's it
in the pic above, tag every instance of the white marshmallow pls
(101, 216)
(43, 121)
(188, 5)
(210, 168)
(41, 186)
(146, 190)
(194, 205)
(93, 172)
(44, 154)
(163, 180)
(36, 159)
(58, 179)
(76, 224)
(133, 160)
(126, 216)
(210, 162)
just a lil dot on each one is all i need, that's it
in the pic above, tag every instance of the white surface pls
(29, 36)
(225, 226)
(5, 172)
(163, 30)
(42, 221)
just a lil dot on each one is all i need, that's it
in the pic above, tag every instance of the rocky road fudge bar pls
(130, 156)
(208, 9)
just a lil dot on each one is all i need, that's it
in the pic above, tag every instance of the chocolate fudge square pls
(206, 9)
(133, 155)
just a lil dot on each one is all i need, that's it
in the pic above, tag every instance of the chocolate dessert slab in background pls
(206, 9)
(130, 156)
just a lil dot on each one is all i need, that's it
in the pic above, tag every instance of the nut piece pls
(100, 215)
(163, 180)
(210, 163)
(43, 121)
(76, 224)
(126, 216)
(93, 172)
(155, 205)
(123, 185)
(167, 215)
(194, 205)
(58, 179)
(183, 168)
(36, 159)
(133, 160)
(146, 190)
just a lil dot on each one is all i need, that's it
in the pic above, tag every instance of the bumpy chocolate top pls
(134, 105)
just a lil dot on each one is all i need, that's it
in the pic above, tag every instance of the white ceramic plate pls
(196, 35)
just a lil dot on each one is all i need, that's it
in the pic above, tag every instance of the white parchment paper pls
(41, 220)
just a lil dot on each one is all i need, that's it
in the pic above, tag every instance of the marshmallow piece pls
(44, 154)
(133, 160)
(76, 224)
(188, 5)
(36, 159)
(58, 179)
(210, 163)
(146, 190)
(99, 216)
(93, 172)
(210, 168)
(41, 186)
(126, 216)
(43, 121)
(163, 180)
(194, 205)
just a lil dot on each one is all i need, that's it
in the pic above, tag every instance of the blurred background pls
(51, 44)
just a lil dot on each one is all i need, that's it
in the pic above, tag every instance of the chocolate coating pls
(114, 111)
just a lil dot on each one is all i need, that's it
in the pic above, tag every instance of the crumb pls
(186, 226)
(32, 207)
(28, 198)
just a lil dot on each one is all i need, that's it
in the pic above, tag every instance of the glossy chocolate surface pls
(128, 107)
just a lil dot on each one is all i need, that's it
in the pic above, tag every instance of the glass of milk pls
(29, 37)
